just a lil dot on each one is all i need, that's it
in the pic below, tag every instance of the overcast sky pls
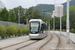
(9, 4)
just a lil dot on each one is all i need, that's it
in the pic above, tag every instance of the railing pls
(7, 23)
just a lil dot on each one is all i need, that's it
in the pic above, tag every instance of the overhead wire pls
(36, 1)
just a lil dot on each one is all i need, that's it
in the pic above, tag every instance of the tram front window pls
(34, 27)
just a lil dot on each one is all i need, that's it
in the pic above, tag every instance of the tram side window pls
(43, 28)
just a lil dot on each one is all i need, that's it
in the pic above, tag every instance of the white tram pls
(37, 29)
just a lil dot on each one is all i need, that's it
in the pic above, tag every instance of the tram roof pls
(37, 20)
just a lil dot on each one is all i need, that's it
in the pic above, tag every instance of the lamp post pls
(60, 21)
(67, 28)
(49, 26)
(53, 20)
(19, 15)
(54, 24)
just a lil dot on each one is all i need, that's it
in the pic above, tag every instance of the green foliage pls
(72, 21)
(4, 15)
(12, 29)
(45, 7)
(19, 30)
(57, 22)
(51, 23)
(73, 31)
(25, 30)
(72, 17)
(32, 13)
(12, 16)
(2, 29)
(64, 21)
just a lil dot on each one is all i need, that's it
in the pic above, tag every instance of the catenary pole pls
(68, 36)
(60, 21)
(19, 15)
(49, 26)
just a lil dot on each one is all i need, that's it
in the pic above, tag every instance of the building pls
(1, 5)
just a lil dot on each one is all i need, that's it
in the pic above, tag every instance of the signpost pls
(59, 13)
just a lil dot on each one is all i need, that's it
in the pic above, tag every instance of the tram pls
(37, 29)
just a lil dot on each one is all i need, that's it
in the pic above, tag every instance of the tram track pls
(58, 43)
(26, 45)
(18, 48)
(46, 42)
(57, 46)
(13, 45)
(18, 45)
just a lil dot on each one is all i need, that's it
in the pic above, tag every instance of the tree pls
(16, 13)
(36, 14)
(12, 16)
(72, 17)
(4, 15)
(29, 13)
(57, 22)
(19, 12)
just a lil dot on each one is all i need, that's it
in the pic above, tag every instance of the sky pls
(10, 4)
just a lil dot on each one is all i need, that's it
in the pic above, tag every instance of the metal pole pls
(49, 26)
(54, 24)
(60, 21)
(54, 19)
(19, 15)
(68, 38)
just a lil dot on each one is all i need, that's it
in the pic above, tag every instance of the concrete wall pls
(72, 35)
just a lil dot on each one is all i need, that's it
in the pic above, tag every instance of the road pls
(51, 42)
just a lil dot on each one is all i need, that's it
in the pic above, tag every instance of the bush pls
(73, 31)
(12, 29)
(2, 29)
(19, 30)
(25, 30)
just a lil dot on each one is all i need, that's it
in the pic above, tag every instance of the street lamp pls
(61, 14)
(53, 20)
(19, 15)
(49, 26)
(68, 38)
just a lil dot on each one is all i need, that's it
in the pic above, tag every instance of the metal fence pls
(10, 23)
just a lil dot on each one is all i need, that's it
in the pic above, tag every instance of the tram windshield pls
(34, 26)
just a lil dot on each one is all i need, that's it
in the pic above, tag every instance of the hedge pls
(12, 30)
